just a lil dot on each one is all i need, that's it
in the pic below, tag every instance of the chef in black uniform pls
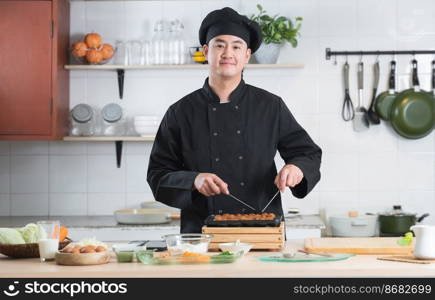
(223, 137)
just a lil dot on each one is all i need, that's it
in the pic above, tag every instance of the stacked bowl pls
(146, 125)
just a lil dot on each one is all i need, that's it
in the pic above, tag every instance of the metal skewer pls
(235, 198)
(270, 201)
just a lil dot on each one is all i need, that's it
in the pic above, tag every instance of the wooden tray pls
(408, 259)
(264, 238)
(373, 245)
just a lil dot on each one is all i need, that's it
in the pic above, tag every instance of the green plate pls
(305, 258)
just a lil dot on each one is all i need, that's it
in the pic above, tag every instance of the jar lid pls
(82, 113)
(112, 112)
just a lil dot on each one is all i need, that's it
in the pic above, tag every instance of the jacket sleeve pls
(169, 182)
(296, 147)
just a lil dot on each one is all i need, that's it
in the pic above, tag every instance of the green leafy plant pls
(277, 29)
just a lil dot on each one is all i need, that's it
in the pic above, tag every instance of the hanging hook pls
(360, 56)
(335, 59)
(346, 56)
(377, 57)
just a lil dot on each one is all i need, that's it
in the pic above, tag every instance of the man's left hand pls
(290, 175)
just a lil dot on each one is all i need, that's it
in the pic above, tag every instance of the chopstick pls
(315, 253)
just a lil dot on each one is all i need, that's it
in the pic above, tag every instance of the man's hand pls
(290, 175)
(209, 184)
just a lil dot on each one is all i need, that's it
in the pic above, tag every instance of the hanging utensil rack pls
(329, 52)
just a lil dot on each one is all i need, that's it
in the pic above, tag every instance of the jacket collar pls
(235, 95)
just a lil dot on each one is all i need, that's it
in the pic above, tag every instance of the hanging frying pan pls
(412, 112)
(386, 98)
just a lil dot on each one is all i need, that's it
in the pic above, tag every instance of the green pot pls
(398, 224)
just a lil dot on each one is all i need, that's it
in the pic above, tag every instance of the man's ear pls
(248, 54)
(205, 50)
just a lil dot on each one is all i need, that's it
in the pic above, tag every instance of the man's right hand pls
(209, 184)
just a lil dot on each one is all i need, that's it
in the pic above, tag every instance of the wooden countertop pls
(247, 266)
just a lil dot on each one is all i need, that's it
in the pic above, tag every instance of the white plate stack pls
(146, 125)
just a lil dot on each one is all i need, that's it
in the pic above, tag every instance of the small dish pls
(126, 252)
(236, 247)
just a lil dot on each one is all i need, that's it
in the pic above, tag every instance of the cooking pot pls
(353, 225)
(398, 222)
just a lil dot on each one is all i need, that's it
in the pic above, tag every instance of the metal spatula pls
(360, 120)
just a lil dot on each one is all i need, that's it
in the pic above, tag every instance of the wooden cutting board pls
(408, 259)
(371, 245)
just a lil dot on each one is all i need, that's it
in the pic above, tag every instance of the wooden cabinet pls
(34, 86)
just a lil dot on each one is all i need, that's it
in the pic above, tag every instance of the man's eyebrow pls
(233, 42)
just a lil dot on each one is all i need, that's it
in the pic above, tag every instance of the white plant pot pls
(268, 53)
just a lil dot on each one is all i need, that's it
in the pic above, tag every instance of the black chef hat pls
(228, 21)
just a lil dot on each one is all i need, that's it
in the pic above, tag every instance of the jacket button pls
(236, 107)
(214, 108)
(238, 131)
(240, 157)
(242, 183)
(215, 133)
(217, 158)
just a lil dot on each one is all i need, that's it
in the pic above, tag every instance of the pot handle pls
(359, 223)
(422, 217)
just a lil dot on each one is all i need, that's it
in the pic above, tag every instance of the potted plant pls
(276, 31)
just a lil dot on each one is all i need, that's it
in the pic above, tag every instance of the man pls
(222, 138)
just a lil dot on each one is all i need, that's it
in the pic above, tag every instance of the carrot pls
(63, 233)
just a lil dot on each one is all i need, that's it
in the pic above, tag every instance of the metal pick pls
(270, 201)
(235, 198)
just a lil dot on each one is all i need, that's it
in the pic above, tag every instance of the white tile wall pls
(5, 205)
(368, 171)
(68, 204)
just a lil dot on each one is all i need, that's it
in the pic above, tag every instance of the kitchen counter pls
(247, 266)
(293, 221)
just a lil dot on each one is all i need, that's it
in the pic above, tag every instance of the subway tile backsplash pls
(367, 171)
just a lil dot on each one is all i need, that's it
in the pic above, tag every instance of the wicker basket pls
(30, 250)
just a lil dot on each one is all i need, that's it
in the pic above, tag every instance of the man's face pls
(227, 55)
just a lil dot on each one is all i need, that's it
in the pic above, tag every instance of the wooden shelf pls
(109, 138)
(176, 67)
(120, 69)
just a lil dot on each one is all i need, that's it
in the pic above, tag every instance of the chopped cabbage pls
(91, 241)
(10, 236)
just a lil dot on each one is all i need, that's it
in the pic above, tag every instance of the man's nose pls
(228, 52)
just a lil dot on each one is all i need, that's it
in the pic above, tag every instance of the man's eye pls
(219, 46)
(236, 47)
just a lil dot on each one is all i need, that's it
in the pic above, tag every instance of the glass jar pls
(83, 120)
(112, 119)
(159, 42)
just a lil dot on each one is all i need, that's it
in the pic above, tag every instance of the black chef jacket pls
(237, 141)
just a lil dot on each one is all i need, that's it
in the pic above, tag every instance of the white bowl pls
(146, 130)
(235, 247)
